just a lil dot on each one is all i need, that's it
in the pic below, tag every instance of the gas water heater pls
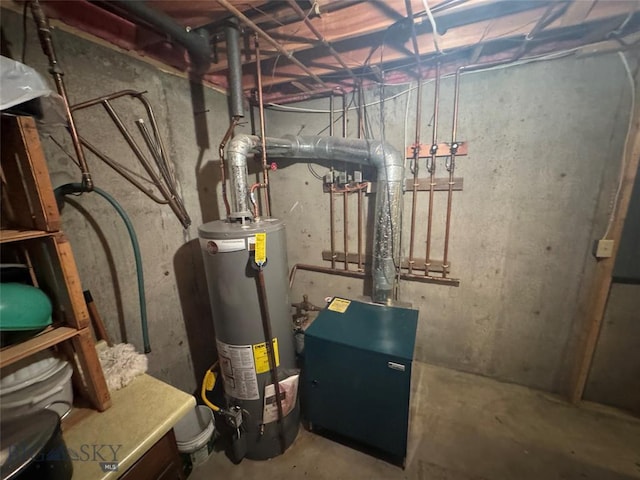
(229, 250)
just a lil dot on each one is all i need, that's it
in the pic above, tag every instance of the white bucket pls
(53, 391)
(194, 436)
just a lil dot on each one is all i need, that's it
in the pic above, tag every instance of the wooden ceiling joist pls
(324, 44)
(509, 26)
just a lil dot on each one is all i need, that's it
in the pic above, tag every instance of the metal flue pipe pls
(388, 209)
(197, 45)
(232, 34)
(266, 37)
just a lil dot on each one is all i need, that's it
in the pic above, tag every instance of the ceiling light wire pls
(523, 61)
(434, 28)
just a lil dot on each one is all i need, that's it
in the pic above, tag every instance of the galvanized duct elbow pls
(388, 209)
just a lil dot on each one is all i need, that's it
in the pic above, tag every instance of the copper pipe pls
(346, 229)
(273, 365)
(454, 282)
(451, 168)
(416, 158)
(244, 19)
(154, 143)
(331, 115)
(46, 42)
(111, 96)
(360, 213)
(344, 115)
(175, 206)
(254, 187)
(416, 144)
(319, 269)
(431, 167)
(156, 153)
(355, 274)
(122, 171)
(331, 197)
(263, 138)
(360, 112)
(319, 36)
(332, 233)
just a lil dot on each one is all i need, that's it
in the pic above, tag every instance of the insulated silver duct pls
(388, 210)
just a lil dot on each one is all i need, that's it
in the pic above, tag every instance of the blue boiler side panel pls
(357, 376)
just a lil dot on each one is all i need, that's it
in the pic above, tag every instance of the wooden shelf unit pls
(15, 235)
(50, 337)
(30, 234)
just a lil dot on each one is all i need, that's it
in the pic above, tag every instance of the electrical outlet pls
(603, 248)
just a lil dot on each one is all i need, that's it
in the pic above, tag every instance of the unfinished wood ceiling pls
(310, 47)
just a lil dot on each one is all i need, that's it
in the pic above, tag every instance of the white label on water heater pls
(231, 245)
(238, 371)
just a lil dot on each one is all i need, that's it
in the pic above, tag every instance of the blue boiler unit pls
(357, 373)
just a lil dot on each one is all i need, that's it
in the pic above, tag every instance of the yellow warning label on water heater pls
(261, 357)
(261, 248)
(339, 305)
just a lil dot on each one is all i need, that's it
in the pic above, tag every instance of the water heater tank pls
(240, 339)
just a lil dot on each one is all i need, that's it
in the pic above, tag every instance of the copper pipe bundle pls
(163, 179)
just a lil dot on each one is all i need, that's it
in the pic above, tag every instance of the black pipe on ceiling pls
(196, 44)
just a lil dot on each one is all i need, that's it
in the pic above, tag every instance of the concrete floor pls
(466, 427)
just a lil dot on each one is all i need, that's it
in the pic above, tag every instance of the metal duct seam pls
(388, 209)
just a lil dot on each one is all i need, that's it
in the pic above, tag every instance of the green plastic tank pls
(24, 311)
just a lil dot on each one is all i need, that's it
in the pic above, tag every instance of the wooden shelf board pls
(50, 337)
(14, 235)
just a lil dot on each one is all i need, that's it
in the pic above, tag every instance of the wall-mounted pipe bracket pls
(443, 149)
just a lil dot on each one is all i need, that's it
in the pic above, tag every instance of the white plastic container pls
(194, 436)
(54, 392)
(29, 371)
